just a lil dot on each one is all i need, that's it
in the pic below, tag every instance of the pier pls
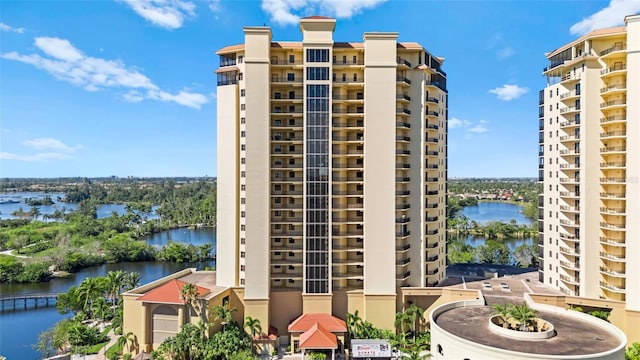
(27, 301)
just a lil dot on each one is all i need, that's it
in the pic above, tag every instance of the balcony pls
(612, 287)
(611, 50)
(569, 166)
(403, 262)
(432, 140)
(403, 97)
(402, 138)
(570, 265)
(613, 242)
(403, 193)
(567, 78)
(613, 134)
(568, 237)
(402, 248)
(613, 69)
(431, 113)
(613, 164)
(611, 272)
(575, 137)
(570, 279)
(613, 88)
(402, 124)
(403, 80)
(401, 234)
(609, 195)
(432, 258)
(432, 127)
(403, 62)
(403, 111)
(609, 226)
(616, 180)
(289, 80)
(349, 80)
(403, 276)
(571, 223)
(431, 245)
(613, 149)
(285, 62)
(569, 208)
(570, 123)
(431, 100)
(432, 232)
(566, 250)
(612, 103)
(344, 62)
(569, 109)
(569, 194)
(569, 95)
(613, 119)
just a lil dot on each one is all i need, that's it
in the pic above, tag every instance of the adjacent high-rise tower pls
(332, 162)
(590, 166)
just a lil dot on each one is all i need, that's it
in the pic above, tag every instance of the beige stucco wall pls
(227, 186)
(633, 165)
(379, 163)
(257, 50)
(316, 303)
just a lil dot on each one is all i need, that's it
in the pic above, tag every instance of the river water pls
(10, 202)
(19, 329)
(494, 211)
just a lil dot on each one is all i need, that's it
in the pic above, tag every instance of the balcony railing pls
(612, 103)
(612, 49)
(612, 226)
(614, 68)
(608, 149)
(611, 287)
(286, 80)
(611, 272)
(356, 80)
(404, 62)
(612, 195)
(613, 133)
(403, 111)
(403, 97)
(403, 80)
(613, 164)
(613, 180)
(613, 118)
(613, 242)
(571, 279)
(431, 100)
(619, 86)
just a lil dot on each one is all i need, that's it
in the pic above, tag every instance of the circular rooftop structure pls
(461, 330)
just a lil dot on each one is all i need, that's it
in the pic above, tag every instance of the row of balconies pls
(614, 68)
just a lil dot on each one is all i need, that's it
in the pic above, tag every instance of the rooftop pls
(573, 336)
(169, 293)
(306, 321)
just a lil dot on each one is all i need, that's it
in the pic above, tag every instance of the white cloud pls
(288, 12)
(216, 7)
(169, 14)
(67, 63)
(40, 157)
(509, 92)
(455, 123)
(478, 129)
(50, 144)
(6, 28)
(612, 15)
(505, 53)
(468, 126)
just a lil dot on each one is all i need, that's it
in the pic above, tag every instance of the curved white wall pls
(445, 345)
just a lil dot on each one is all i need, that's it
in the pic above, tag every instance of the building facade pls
(589, 121)
(332, 162)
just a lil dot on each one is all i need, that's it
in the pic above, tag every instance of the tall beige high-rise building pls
(590, 166)
(332, 162)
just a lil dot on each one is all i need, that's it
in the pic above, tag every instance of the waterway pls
(485, 212)
(19, 329)
(11, 202)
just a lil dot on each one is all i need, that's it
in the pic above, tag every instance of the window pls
(243, 201)
(243, 227)
(243, 174)
(291, 77)
(243, 147)
(241, 267)
(240, 76)
(243, 187)
(317, 55)
(240, 59)
(241, 92)
(277, 213)
(242, 214)
(243, 160)
(243, 120)
(243, 133)
(292, 59)
(242, 106)
(317, 73)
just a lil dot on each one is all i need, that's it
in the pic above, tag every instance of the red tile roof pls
(306, 321)
(317, 337)
(169, 293)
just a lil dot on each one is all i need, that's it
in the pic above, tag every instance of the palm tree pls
(402, 320)
(253, 325)
(131, 280)
(504, 311)
(115, 281)
(416, 315)
(35, 212)
(354, 325)
(189, 293)
(524, 315)
(223, 314)
(88, 289)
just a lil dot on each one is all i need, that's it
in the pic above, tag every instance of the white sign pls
(371, 350)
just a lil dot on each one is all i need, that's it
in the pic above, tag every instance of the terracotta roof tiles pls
(317, 337)
(169, 293)
(305, 321)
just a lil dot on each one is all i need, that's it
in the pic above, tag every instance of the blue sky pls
(126, 88)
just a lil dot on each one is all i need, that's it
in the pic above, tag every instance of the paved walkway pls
(113, 339)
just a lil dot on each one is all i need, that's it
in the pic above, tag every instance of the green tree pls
(253, 326)
(223, 314)
(493, 252)
(504, 311)
(416, 317)
(523, 314)
(633, 352)
(526, 256)
(115, 282)
(402, 321)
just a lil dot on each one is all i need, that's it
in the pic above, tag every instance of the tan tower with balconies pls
(331, 173)
(590, 166)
